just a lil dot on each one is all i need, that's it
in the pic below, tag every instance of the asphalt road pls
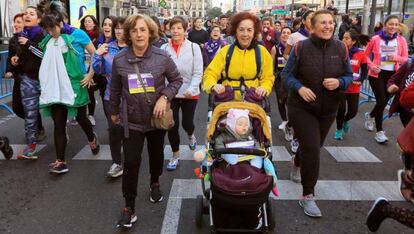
(85, 201)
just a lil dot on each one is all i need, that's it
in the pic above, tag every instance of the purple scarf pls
(212, 48)
(384, 36)
(101, 39)
(281, 47)
(31, 33)
(352, 51)
(304, 32)
(67, 29)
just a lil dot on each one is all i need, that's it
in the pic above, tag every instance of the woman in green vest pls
(64, 87)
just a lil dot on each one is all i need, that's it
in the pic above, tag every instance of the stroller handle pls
(212, 95)
(244, 151)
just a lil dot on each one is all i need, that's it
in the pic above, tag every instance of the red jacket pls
(407, 97)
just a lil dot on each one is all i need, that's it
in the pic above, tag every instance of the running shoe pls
(92, 120)
(339, 134)
(94, 145)
(380, 137)
(27, 153)
(282, 125)
(193, 142)
(40, 135)
(288, 133)
(115, 171)
(174, 161)
(346, 127)
(369, 122)
(294, 145)
(375, 215)
(128, 218)
(58, 167)
(5, 148)
(73, 121)
(155, 193)
(309, 206)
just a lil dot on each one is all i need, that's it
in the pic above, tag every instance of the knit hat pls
(233, 115)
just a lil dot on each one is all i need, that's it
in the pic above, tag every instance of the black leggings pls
(188, 107)
(281, 96)
(133, 146)
(60, 115)
(115, 135)
(100, 84)
(379, 87)
(311, 131)
(348, 109)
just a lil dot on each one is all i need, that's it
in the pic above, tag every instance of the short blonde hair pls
(131, 22)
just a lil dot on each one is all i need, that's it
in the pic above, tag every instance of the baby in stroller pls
(237, 133)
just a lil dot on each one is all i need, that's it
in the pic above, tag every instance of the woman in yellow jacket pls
(245, 27)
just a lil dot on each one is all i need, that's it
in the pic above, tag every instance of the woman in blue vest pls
(317, 69)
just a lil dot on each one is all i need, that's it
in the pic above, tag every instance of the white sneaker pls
(294, 145)
(92, 119)
(369, 122)
(115, 171)
(282, 125)
(380, 137)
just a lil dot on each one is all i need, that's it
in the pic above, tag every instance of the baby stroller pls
(238, 197)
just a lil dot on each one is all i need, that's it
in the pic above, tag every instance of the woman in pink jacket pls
(389, 51)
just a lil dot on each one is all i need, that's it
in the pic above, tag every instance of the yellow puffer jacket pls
(242, 64)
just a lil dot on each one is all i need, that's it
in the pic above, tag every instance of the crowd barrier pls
(6, 85)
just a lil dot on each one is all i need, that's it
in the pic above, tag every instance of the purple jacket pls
(136, 112)
(102, 65)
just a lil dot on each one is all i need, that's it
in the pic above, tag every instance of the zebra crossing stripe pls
(352, 154)
(280, 154)
(17, 148)
(333, 190)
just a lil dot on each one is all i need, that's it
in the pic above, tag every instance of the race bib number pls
(356, 76)
(134, 85)
(387, 50)
(281, 62)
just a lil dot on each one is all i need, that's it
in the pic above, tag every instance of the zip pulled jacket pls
(316, 60)
(136, 112)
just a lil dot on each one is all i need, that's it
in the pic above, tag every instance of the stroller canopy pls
(255, 111)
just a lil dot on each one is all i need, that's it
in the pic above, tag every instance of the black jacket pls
(319, 59)
(30, 57)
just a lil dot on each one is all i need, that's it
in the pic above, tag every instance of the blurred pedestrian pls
(102, 65)
(389, 50)
(188, 59)
(348, 106)
(213, 45)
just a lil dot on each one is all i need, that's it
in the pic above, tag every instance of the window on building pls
(175, 12)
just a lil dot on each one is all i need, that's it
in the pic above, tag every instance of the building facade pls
(187, 8)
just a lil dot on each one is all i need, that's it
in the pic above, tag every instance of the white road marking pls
(352, 154)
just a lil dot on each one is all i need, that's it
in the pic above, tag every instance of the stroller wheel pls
(270, 213)
(199, 210)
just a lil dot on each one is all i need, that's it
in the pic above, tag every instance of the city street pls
(353, 173)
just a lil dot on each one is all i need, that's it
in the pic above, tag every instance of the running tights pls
(348, 108)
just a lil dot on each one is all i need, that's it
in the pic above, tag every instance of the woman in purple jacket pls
(155, 67)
